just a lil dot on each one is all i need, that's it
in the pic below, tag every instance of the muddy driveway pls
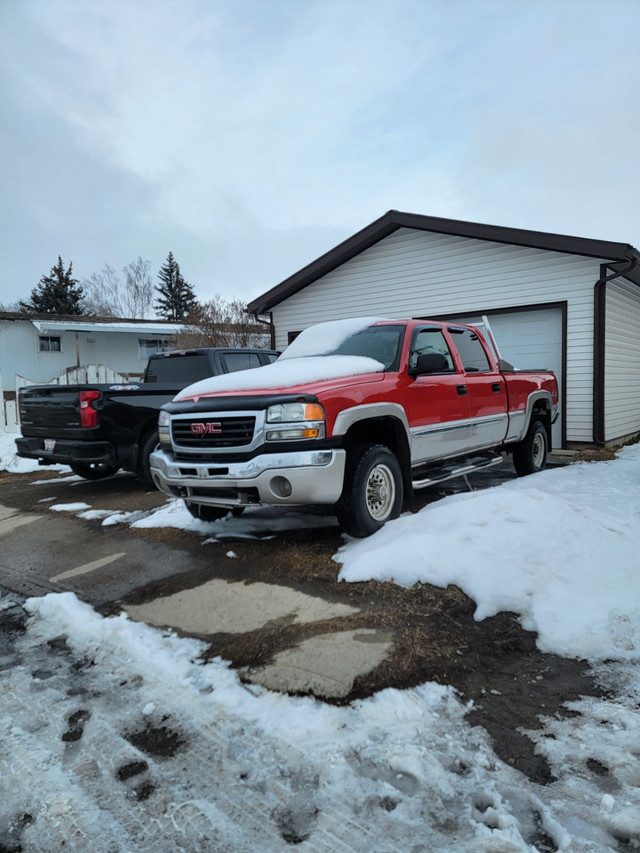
(170, 576)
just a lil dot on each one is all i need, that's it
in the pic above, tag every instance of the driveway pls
(262, 591)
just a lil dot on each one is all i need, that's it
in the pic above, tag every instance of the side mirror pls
(429, 362)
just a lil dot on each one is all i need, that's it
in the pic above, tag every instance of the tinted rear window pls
(241, 360)
(179, 370)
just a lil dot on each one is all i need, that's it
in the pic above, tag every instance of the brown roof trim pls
(395, 219)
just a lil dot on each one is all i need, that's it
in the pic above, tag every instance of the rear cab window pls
(234, 361)
(178, 369)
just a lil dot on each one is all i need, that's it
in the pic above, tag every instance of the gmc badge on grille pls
(206, 429)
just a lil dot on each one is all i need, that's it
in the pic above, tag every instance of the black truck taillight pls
(88, 415)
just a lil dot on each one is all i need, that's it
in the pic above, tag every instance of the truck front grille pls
(210, 433)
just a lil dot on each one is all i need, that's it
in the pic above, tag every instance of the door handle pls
(461, 389)
(497, 387)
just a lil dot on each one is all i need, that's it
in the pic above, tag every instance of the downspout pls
(599, 344)
(269, 323)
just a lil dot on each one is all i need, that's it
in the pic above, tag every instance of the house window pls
(149, 346)
(49, 343)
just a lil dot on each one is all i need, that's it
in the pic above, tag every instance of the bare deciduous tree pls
(222, 323)
(109, 295)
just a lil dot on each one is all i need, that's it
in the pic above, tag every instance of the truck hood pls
(310, 374)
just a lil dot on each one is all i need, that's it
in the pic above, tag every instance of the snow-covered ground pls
(402, 770)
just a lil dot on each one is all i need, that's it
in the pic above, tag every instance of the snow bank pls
(560, 548)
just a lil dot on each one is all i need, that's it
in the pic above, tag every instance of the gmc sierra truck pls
(354, 414)
(98, 429)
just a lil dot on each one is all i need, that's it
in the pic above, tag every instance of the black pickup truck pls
(98, 429)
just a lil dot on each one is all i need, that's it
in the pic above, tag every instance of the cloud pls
(250, 137)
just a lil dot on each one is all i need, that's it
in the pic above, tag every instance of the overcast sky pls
(250, 136)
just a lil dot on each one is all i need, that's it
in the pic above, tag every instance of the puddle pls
(235, 608)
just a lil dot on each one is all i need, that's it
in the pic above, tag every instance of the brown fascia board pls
(395, 219)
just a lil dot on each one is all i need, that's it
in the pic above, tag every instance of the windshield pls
(380, 342)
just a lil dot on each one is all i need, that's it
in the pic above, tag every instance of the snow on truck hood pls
(284, 373)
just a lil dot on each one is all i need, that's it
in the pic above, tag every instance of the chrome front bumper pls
(280, 479)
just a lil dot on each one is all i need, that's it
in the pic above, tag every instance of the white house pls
(42, 349)
(566, 303)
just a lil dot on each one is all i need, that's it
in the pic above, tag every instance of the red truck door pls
(438, 404)
(486, 390)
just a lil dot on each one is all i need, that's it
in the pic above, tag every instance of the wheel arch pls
(539, 408)
(379, 423)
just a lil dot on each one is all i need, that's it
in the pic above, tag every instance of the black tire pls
(530, 455)
(206, 513)
(94, 471)
(373, 490)
(143, 472)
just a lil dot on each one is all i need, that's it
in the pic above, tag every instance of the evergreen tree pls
(176, 299)
(57, 293)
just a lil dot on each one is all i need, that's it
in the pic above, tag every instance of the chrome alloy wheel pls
(538, 450)
(381, 492)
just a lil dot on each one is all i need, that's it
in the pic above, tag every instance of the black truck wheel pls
(373, 490)
(530, 454)
(143, 472)
(206, 513)
(94, 471)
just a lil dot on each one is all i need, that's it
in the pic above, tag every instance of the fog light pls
(281, 487)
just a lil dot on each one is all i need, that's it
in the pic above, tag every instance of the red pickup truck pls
(354, 414)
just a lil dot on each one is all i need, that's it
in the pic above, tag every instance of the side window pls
(472, 353)
(49, 343)
(291, 336)
(430, 340)
(241, 360)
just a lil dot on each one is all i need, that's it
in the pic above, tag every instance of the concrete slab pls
(326, 665)
(235, 608)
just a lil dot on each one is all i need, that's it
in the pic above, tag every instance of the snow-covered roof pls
(86, 325)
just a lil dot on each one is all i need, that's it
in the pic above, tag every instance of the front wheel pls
(206, 513)
(373, 490)
(530, 454)
(94, 471)
(147, 446)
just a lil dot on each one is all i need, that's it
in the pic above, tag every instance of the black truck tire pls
(206, 513)
(96, 471)
(147, 446)
(530, 454)
(373, 490)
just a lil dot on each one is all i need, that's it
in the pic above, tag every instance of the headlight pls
(288, 412)
(163, 428)
(296, 421)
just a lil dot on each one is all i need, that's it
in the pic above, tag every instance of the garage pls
(555, 301)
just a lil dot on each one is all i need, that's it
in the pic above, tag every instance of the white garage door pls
(530, 340)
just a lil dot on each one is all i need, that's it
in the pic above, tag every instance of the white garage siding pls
(421, 273)
(622, 360)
